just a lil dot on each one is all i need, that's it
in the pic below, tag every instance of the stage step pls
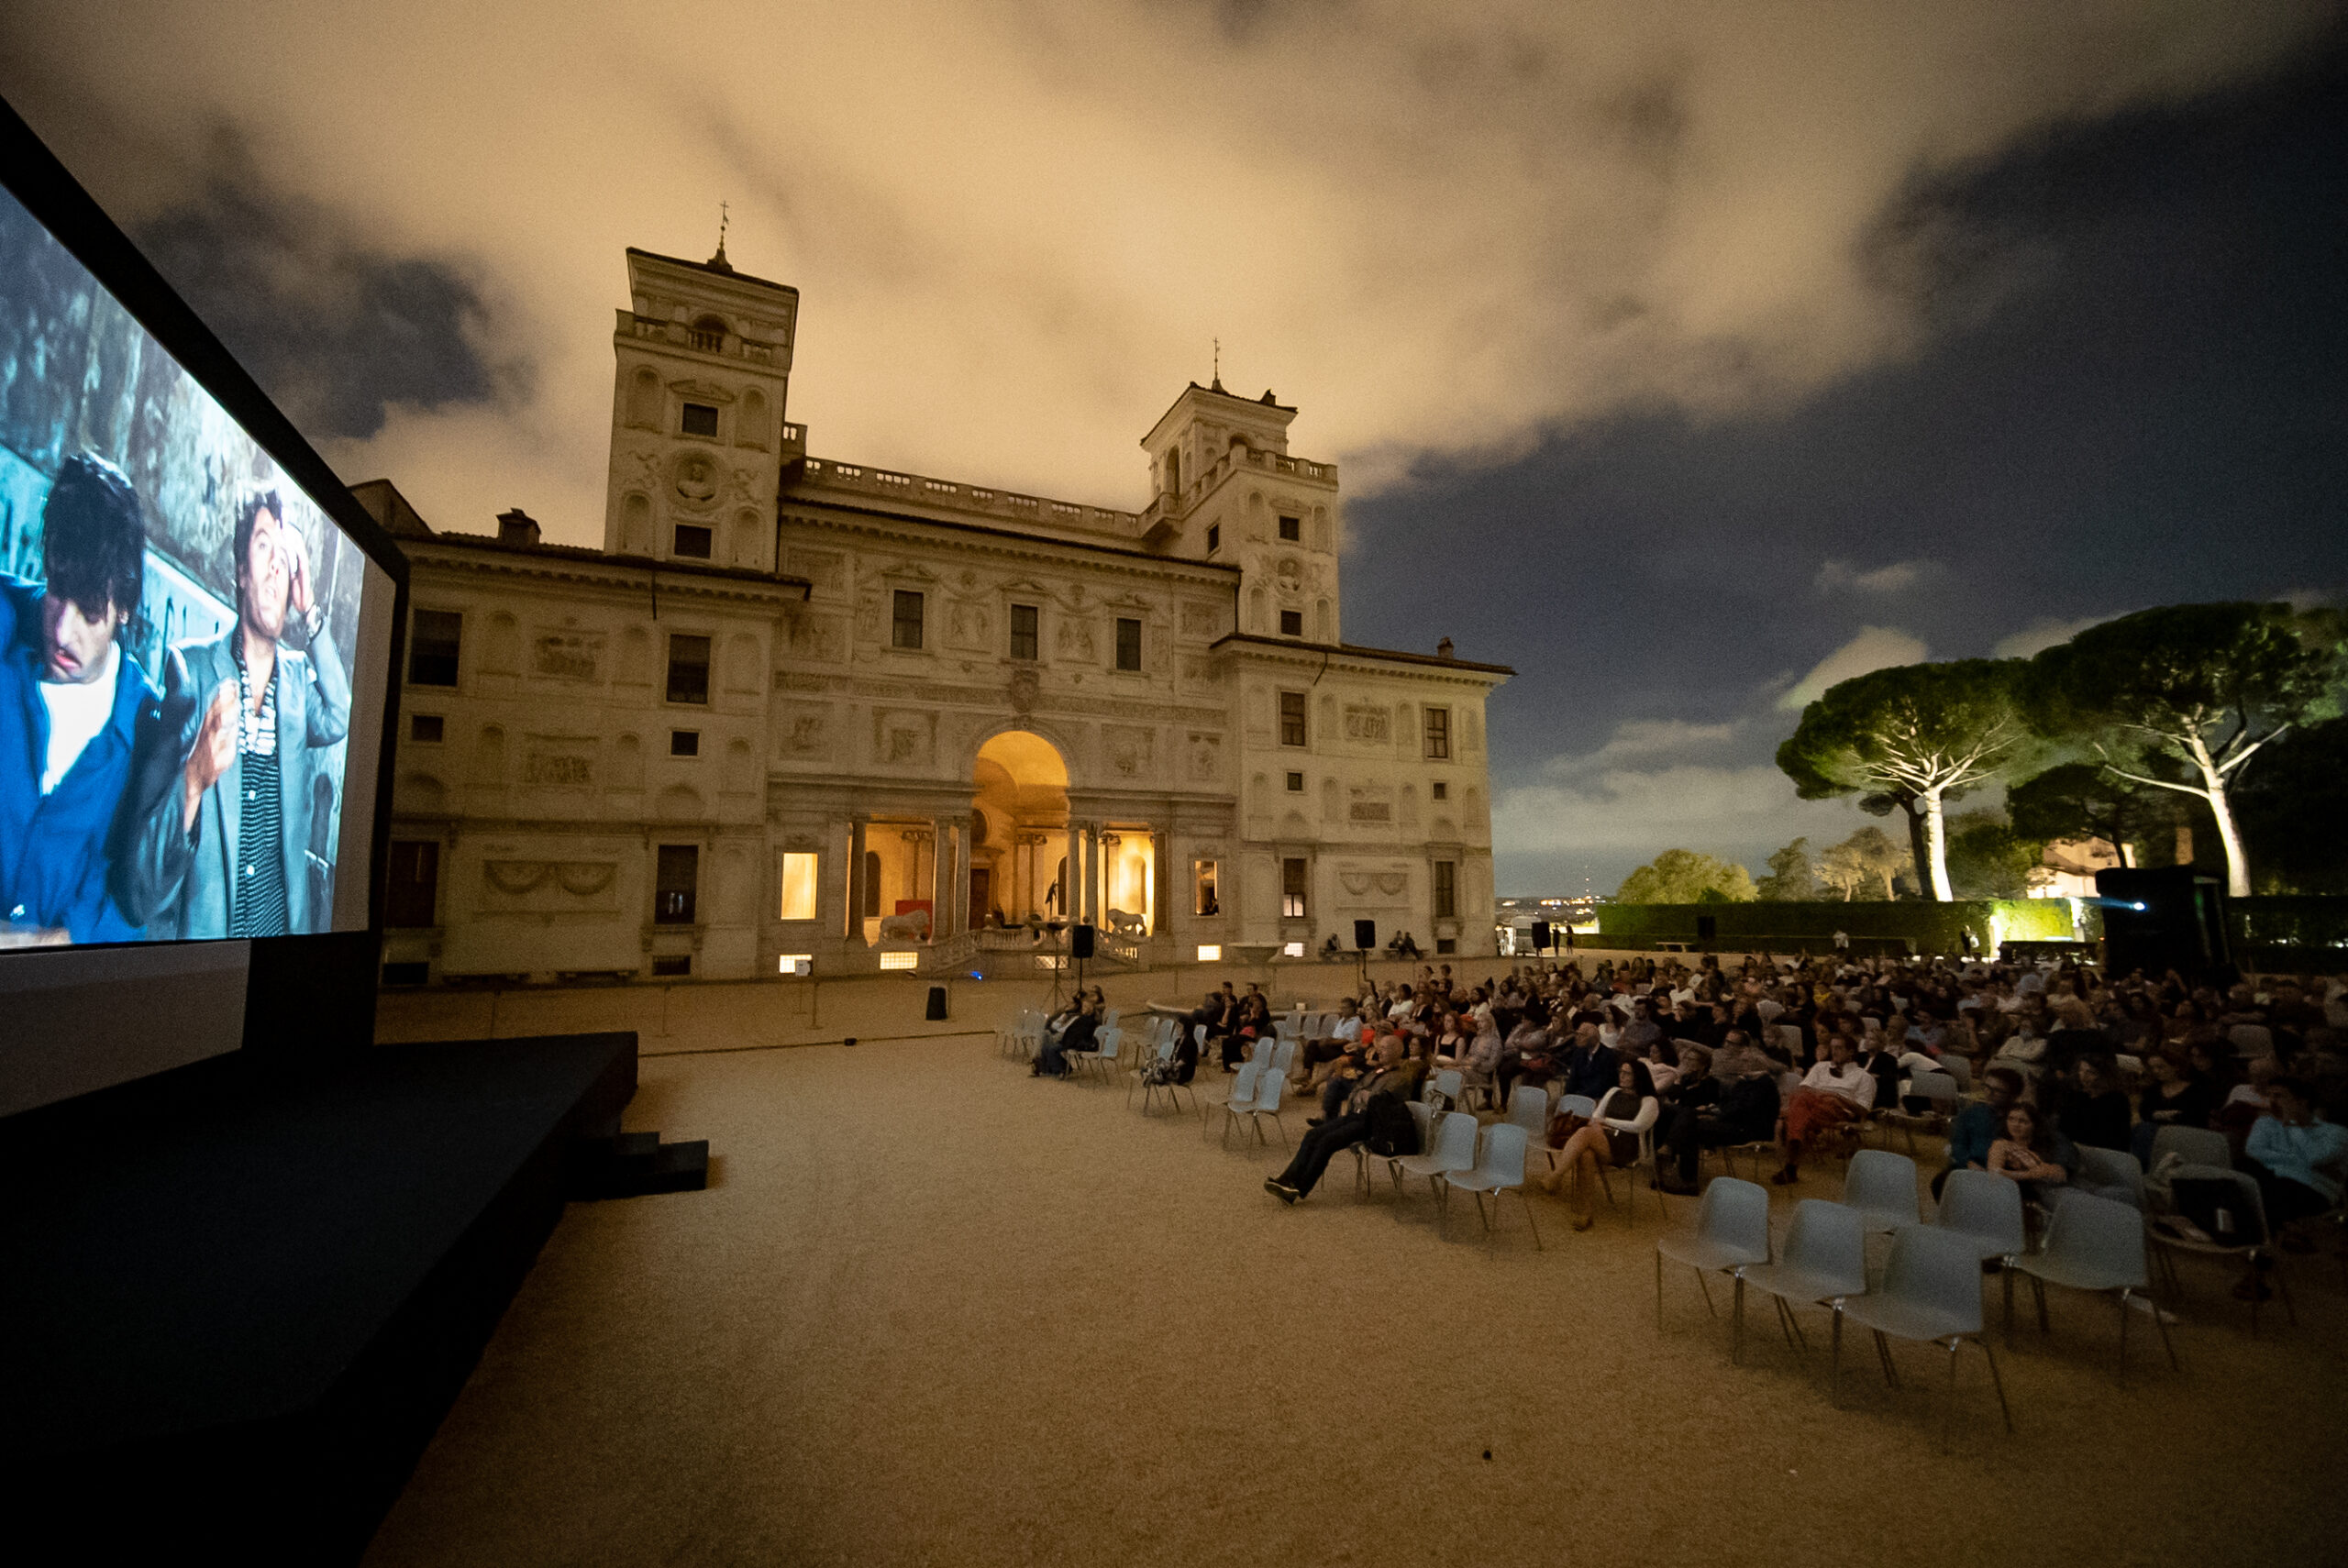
(637, 1162)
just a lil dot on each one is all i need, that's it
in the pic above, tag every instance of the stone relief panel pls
(825, 569)
(904, 737)
(1205, 757)
(1204, 620)
(681, 803)
(548, 885)
(693, 480)
(1199, 669)
(818, 638)
(560, 762)
(1074, 639)
(1130, 750)
(1367, 725)
(802, 730)
(969, 626)
(1371, 804)
(564, 654)
(867, 617)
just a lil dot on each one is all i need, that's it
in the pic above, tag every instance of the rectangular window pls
(414, 972)
(1291, 529)
(904, 958)
(684, 742)
(691, 542)
(798, 887)
(1026, 632)
(1294, 875)
(1296, 783)
(904, 625)
(432, 647)
(1443, 944)
(688, 668)
(412, 883)
(1439, 733)
(701, 419)
(1291, 622)
(1441, 790)
(1291, 718)
(426, 729)
(1446, 889)
(1206, 903)
(1209, 953)
(1128, 644)
(1214, 537)
(674, 876)
(674, 968)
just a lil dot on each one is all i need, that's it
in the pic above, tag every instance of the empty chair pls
(1882, 1186)
(1266, 1102)
(1824, 1262)
(1960, 1069)
(1732, 1234)
(1287, 1025)
(2194, 1145)
(2106, 1174)
(1528, 1106)
(1243, 1091)
(2094, 1243)
(1448, 1083)
(1110, 1017)
(1940, 1090)
(1451, 1148)
(1931, 1293)
(1284, 1054)
(1500, 1167)
(1984, 1209)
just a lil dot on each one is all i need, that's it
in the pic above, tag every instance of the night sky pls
(1686, 359)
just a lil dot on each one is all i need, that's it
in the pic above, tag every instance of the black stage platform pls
(236, 1300)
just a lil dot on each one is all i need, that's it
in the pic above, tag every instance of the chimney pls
(516, 527)
(1442, 650)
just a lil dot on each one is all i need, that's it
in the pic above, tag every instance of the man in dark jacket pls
(73, 704)
(262, 710)
(1392, 1075)
(1715, 1113)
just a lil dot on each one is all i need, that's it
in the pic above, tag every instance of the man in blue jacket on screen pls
(256, 714)
(72, 702)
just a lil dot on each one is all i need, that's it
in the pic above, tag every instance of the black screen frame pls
(48, 190)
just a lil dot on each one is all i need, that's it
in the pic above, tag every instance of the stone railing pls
(976, 499)
(699, 341)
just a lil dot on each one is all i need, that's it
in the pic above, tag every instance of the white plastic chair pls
(2254, 1207)
(1451, 1148)
(1266, 1102)
(1938, 1088)
(2194, 1145)
(1825, 1263)
(1166, 1059)
(1983, 1210)
(1732, 1234)
(1528, 1106)
(1447, 1083)
(1106, 1043)
(2108, 1173)
(1500, 1167)
(2094, 1243)
(1242, 1092)
(1284, 1056)
(1882, 1186)
(1580, 1104)
(1931, 1293)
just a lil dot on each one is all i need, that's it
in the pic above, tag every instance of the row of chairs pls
(1455, 1152)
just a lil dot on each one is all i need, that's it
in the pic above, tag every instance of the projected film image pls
(178, 621)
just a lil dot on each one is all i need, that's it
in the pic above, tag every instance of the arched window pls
(644, 401)
(708, 335)
(872, 883)
(1174, 473)
(750, 429)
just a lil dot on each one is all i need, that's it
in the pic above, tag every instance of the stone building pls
(804, 715)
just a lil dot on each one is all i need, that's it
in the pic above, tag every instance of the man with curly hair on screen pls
(72, 702)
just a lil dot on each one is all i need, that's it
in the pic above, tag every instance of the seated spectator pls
(1692, 1092)
(2031, 1151)
(1347, 1124)
(1834, 1092)
(2092, 1109)
(2176, 1097)
(1077, 1033)
(2297, 1157)
(1612, 1138)
(1589, 1066)
(1739, 1058)
(1344, 1036)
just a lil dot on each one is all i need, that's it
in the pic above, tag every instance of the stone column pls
(1161, 885)
(939, 866)
(1073, 879)
(856, 891)
(958, 883)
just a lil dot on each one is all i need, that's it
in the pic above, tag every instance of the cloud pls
(2042, 634)
(1897, 577)
(1875, 647)
(1631, 812)
(1642, 740)
(1440, 230)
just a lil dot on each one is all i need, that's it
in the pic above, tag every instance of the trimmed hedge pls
(2302, 933)
(1924, 927)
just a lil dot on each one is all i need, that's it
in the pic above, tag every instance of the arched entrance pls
(1018, 831)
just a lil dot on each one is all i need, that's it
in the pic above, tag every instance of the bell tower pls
(1226, 490)
(698, 433)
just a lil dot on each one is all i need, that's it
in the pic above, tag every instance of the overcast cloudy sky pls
(1687, 358)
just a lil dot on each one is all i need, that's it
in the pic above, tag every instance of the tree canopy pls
(2204, 686)
(2087, 800)
(1862, 867)
(1988, 857)
(1790, 878)
(1915, 735)
(1684, 877)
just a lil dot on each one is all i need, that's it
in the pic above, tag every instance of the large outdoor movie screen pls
(180, 623)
